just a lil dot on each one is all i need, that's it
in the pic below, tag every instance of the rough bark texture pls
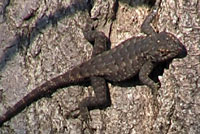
(40, 39)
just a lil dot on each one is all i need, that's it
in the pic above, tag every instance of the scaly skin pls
(137, 55)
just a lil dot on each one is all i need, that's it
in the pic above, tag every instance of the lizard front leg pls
(144, 77)
(146, 25)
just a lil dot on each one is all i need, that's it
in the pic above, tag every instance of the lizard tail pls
(73, 76)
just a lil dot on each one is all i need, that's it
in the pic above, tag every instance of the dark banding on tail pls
(73, 76)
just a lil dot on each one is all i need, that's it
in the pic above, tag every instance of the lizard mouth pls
(169, 56)
(177, 53)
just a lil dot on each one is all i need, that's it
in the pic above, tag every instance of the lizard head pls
(167, 47)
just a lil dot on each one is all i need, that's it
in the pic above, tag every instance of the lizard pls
(136, 55)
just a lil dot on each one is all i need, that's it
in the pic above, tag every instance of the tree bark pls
(42, 39)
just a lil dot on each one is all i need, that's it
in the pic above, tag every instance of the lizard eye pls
(164, 52)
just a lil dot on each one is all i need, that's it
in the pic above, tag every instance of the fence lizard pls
(137, 55)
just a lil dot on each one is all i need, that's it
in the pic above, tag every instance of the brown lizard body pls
(137, 55)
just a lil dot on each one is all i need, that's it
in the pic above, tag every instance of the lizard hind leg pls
(100, 100)
(102, 96)
(98, 39)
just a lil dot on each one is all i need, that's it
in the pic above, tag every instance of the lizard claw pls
(73, 114)
(83, 112)
(154, 89)
(85, 115)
